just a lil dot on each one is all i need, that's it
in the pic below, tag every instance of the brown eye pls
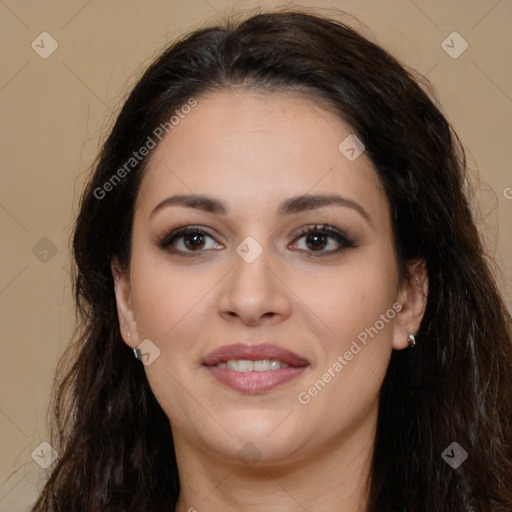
(193, 240)
(187, 240)
(318, 238)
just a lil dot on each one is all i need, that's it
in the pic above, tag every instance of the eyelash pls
(165, 240)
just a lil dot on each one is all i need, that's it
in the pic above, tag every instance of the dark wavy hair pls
(114, 440)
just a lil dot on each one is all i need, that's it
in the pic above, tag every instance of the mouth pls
(254, 369)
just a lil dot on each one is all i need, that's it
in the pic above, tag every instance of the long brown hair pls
(114, 440)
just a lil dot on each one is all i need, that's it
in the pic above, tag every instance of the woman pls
(285, 299)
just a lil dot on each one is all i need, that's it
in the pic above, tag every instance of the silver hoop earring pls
(136, 351)
(411, 340)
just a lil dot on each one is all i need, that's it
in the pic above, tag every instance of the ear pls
(412, 296)
(125, 313)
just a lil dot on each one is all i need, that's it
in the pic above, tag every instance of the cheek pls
(165, 295)
(355, 308)
(169, 307)
(349, 299)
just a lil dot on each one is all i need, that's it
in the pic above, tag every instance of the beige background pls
(56, 110)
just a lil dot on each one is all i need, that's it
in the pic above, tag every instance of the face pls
(252, 265)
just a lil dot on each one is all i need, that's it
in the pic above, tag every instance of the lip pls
(254, 382)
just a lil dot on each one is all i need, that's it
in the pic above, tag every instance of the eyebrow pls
(295, 204)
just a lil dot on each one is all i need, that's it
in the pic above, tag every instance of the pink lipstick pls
(254, 369)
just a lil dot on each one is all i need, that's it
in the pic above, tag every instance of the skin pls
(253, 151)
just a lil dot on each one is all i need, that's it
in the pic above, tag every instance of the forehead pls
(254, 147)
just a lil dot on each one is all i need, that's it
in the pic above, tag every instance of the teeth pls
(233, 365)
(245, 366)
(262, 365)
(275, 365)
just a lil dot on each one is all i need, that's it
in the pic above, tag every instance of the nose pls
(255, 293)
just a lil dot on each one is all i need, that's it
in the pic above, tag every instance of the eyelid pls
(165, 239)
(340, 236)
